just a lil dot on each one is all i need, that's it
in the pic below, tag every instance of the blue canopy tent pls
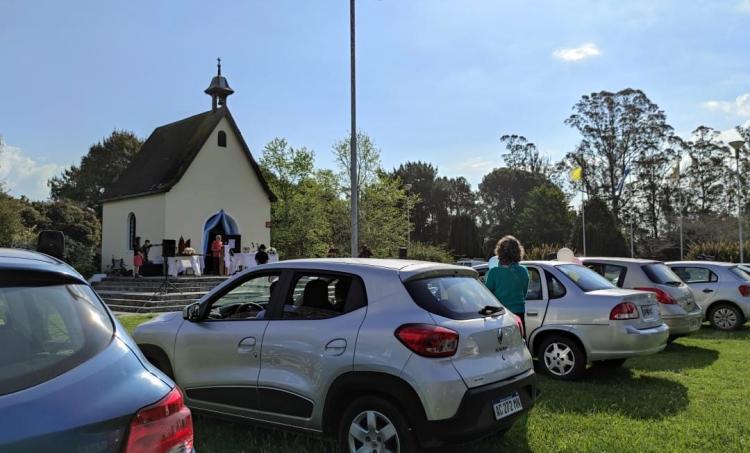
(220, 220)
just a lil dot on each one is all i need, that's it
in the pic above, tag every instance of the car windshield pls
(661, 274)
(742, 272)
(453, 297)
(48, 330)
(584, 278)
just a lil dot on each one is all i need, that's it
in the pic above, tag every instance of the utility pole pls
(353, 143)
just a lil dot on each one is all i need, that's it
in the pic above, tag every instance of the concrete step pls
(151, 288)
(202, 279)
(129, 309)
(149, 303)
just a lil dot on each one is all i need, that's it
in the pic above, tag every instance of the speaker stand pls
(164, 287)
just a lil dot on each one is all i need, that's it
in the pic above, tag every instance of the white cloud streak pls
(23, 175)
(582, 52)
(738, 107)
(745, 5)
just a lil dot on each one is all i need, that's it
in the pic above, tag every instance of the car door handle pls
(708, 290)
(336, 347)
(532, 313)
(247, 345)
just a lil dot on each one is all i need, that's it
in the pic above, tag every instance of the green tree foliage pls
(300, 217)
(546, 217)
(429, 252)
(615, 128)
(603, 236)
(102, 165)
(651, 188)
(420, 177)
(465, 237)
(524, 155)
(718, 250)
(504, 192)
(12, 230)
(383, 222)
(705, 175)
(368, 160)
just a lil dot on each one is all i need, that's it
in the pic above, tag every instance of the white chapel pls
(191, 179)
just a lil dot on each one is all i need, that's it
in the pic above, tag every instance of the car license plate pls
(649, 312)
(507, 406)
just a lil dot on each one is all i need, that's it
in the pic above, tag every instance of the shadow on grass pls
(215, 435)
(615, 391)
(709, 332)
(675, 357)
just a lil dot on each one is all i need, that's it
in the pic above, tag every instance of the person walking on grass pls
(509, 281)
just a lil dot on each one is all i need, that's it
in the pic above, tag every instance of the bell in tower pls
(219, 89)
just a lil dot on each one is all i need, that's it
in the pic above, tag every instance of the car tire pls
(381, 423)
(726, 317)
(611, 363)
(561, 357)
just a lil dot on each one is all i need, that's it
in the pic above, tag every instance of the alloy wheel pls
(725, 318)
(559, 359)
(373, 432)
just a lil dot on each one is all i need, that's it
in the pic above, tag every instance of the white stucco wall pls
(219, 178)
(149, 215)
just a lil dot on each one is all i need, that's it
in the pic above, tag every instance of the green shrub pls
(718, 250)
(541, 252)
(428, 252)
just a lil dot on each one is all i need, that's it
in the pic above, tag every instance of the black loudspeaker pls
(402, 253)
(168, 248)
(237, 239)
(52, 243)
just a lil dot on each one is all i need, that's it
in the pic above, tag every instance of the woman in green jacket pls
(509, 281)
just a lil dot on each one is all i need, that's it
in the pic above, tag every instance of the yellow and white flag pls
(576, 174)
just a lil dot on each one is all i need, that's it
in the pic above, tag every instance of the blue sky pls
(438, 81)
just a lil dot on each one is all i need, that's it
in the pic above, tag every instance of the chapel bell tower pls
(219, 89)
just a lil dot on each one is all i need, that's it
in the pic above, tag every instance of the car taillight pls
(662, 296)
(744, 290)
(519, 324)
(428, 340)
(624, 310)
(166, 426)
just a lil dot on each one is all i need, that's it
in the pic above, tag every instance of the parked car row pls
(384, 355)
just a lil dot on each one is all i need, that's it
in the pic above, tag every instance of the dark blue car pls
(71, 378)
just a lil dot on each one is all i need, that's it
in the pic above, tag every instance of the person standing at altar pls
(261, 257)
(216, 249)
(145, 249)
(137, 257)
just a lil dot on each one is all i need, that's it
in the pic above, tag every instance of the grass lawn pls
(694, 396)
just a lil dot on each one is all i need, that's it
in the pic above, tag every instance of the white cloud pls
(472, 168)
(739, 107)
(582, 52)
(23, 175)
(731, 134)
(745, 5)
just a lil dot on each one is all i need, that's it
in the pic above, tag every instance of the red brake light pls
(519, 324)
(428, 340)
(165, 426)
(623, 310)
(744, 290)
(662, 296)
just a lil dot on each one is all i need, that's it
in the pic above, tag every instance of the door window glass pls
(320, 296)
(555, 288)
(248, 300)
(695, 274)
(615, 274)
(535, 285)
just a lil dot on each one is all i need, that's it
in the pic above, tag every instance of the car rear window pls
(742, 272)
(661, 274)
(585, 278)
(454, 297)
(48, 330)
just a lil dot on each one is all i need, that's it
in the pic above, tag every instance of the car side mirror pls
(191, 312)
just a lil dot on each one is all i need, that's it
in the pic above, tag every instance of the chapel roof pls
(168, 152)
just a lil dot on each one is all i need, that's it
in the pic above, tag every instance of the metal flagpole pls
(583, 214)
(682, 243)
(353, 144)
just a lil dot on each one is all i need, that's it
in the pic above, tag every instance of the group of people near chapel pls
(217, 255)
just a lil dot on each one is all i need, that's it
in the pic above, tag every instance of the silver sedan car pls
(722, 290)
(676, 302)
(575, 316)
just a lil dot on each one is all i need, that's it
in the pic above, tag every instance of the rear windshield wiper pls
(490, 310)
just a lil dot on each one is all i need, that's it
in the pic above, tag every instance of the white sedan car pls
(722, 289)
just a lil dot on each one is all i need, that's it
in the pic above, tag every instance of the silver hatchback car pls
(386, 355)
(721, 289)
(575, 316)
(676, 301)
